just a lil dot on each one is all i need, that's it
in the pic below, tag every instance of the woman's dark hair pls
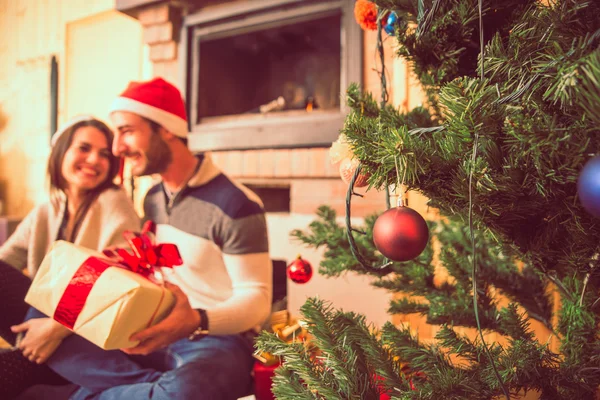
(58, 183)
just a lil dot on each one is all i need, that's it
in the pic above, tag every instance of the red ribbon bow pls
(146, 255)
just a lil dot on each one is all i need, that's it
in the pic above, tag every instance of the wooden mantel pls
(128, 6)
(133, 7)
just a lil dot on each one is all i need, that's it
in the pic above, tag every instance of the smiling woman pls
(81, 167)
(86, 163)
(86, 208)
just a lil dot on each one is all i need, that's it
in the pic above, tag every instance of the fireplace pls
(270, 74)
(286, 68)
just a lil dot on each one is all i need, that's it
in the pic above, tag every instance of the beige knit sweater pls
(103, 226)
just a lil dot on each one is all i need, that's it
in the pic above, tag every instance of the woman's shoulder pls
(41, 210)
(110, 194)
(114, 199)
(113, 213)
(37, 216)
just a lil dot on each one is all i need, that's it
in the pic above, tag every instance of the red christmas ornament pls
(365, 13)
(347, 168)
(299, 270)
(400, 234)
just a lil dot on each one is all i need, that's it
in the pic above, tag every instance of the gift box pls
(99, 298)
(263, 380)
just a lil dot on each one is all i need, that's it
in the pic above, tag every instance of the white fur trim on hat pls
(170, 122)
(68, 124)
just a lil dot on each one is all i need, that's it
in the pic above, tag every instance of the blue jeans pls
(212, 368)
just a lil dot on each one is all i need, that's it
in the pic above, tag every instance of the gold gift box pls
(119, 304)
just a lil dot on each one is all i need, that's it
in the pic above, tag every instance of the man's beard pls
(158, 157)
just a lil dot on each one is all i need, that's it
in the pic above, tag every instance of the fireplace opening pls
(269, 74)
(275, 198)
(285, 70)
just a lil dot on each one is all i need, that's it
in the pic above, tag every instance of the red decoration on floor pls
(263, 380)
(299, 271)
(400, 234)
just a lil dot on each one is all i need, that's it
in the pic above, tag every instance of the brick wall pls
(312, 179)
(161, 26)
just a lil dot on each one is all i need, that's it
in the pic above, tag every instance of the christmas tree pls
(512, 118)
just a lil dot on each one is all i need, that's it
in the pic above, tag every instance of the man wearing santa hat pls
(203, 349)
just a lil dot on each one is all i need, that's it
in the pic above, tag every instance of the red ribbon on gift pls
(146, 258)
(146, 255)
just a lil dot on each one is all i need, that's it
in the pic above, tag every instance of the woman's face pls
(87, 160)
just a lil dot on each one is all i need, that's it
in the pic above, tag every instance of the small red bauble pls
(400, 234)
(300, 270)
(347, 168)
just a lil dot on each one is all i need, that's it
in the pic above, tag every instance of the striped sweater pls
(220, 229)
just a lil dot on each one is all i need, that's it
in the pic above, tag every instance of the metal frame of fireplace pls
(277, 130)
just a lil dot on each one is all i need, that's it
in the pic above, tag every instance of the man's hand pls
(180, 323)
(41, 339)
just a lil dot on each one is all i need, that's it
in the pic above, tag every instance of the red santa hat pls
(157, 100)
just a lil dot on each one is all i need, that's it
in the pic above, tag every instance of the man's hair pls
(155, 126)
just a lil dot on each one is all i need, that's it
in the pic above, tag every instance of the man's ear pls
(166, 135)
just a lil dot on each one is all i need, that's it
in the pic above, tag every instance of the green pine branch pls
(352, 363)
(445, 303)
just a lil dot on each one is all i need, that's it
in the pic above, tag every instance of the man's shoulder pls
(154, 200)
(233, 199)
(154, 190)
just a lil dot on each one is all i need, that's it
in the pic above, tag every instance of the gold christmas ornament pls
(347, 168)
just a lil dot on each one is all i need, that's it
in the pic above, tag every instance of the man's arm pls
(250, 302)
(245, 252)
(246, 258)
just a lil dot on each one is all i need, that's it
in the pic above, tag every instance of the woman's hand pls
(41, 338)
